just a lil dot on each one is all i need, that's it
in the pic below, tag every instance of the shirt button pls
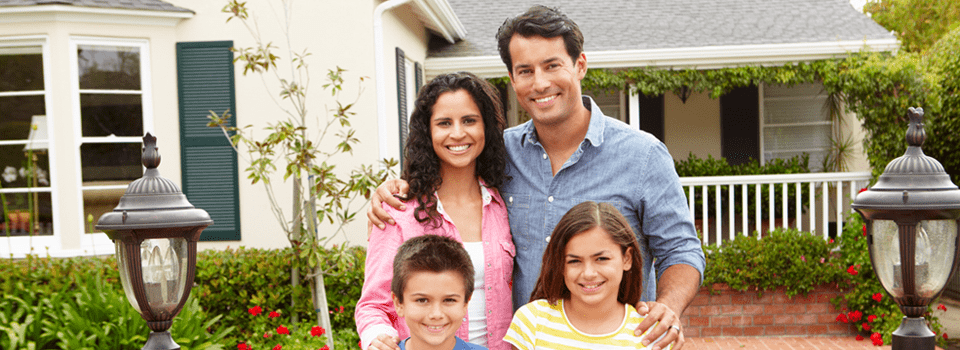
(547, 239)
(544, 156)
(510, 199)
(550, 199)
(488, 265)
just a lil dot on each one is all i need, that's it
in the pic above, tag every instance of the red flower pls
(859, 337)
(274, 314)
(256, 310)
(855, 316)
(862, 190)
(878, 297)
(941, 307)
(945, 336)
(877, 339)
(871, 318)
(278, 347)
(243, 346)
(282, 330)
(866, 326)
(341, 309)
(317, 331)
(266, 335)
(324, 348)
(360, 344)
(864, 229)
(851, 270)
(842, 318)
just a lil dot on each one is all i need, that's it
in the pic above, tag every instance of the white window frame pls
(23, 245)
(763, 124)
(98, 239)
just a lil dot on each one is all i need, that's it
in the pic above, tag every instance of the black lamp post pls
(155, 230)
(912, 222)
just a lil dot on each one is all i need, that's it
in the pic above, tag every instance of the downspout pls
(381, 70)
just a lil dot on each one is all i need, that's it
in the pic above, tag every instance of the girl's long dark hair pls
(582, 217)
(422, 166)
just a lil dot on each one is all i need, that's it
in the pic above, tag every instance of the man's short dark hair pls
(542, 21)
(431, 253)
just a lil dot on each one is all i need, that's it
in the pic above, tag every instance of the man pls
(569, 153)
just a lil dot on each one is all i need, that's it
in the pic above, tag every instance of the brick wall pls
(735, 313)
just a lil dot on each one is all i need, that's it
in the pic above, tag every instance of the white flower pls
(9, 174)
(42, 177)
(23, 172)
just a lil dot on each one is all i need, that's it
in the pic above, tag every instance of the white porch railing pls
(719, 216)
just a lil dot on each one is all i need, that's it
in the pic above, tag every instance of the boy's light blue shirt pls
(616, 164)
(461, 345)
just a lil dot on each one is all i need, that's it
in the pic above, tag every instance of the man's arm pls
(385, 194)
(676, 288)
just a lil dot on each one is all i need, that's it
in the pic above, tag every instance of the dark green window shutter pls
(209, 163)
(402, 100)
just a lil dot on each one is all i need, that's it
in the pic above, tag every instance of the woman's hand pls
(385, 193)
(384, 342)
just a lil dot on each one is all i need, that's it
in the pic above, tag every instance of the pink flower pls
(282, 330)
(317, 331)
(941, 307)
(878, 297)
(273, 314)
(822, 260)
(803, 258)
(866, 326)
(842, 318)
(852, 270)
(256, 310)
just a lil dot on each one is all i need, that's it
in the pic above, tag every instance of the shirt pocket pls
(509, 252)
(518, 210)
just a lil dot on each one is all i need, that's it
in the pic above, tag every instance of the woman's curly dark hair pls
(421, 163)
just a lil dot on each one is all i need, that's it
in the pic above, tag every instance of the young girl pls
(589, 282)
(455, 160)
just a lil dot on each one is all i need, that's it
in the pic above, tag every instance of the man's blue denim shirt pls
(617, 164)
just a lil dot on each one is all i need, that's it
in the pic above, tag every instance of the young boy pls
(432, 284)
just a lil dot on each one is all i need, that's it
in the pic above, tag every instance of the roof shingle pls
(150, 5)
(609, 25)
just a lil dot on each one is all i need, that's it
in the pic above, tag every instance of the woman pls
(455, 161)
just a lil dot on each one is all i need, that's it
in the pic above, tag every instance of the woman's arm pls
(375, 310)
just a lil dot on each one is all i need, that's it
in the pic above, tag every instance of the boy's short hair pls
(431, 253)
(542, 21)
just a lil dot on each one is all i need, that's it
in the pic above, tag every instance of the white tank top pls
(477, 331)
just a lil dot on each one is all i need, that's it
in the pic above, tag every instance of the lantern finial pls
(915, 133)
(151, 154)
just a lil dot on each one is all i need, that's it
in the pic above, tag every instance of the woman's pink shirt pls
(375, 314)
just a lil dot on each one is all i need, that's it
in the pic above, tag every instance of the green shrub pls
(760, 264)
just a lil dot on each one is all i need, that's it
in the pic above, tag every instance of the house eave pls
(713, 57)
(93, 15)
(440, 16)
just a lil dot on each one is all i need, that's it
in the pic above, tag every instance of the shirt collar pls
(594, 131)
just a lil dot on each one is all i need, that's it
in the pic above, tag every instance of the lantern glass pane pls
(886, 255)
(125, 278)
(936, 247)
(164, 263)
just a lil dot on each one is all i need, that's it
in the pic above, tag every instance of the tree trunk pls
(320, 305)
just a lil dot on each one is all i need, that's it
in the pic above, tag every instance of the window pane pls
(26, 210)
(105, 115)
(15, 114)
(14, 168)
(109, 67)
(99, 202)
(110, 162)
(21, 69)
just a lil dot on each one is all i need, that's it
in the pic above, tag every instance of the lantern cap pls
(913, 181)
(152, 201)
